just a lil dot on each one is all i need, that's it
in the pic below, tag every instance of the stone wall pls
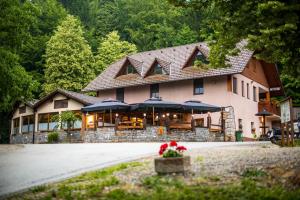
(42, 137)
(151, 134)
(108, 134)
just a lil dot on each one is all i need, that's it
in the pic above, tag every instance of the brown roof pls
(79, 97)
(174, 59)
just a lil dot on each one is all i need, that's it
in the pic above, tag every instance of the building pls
(34, 118)
(175, 74)
(245, 87)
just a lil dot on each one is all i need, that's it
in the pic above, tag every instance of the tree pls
(111, 49)
(69, 60)
(270, 27)
(66, 118)
(15, 83)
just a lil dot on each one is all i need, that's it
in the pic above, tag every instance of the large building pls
(247, 85)
(175, 74)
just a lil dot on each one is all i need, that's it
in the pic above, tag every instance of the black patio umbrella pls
(156, 103)
(263, 114)
(108, 104)
(198, 106)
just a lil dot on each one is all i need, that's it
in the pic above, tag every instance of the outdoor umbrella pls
(108, 104)
(263, 114)
(199, 106)
(156, 103)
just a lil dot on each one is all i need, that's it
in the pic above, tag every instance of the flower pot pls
(172, 165)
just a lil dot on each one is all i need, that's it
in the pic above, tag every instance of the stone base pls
(151, 134)
(42, 137)
(172, 165)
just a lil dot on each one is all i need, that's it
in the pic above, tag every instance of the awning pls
(264, 112)
(109, 104)
(198, 106)
(156, 103)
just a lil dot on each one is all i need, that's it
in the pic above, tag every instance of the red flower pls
(173, 143)
(161, 151)
(164, 146)
(181, 148)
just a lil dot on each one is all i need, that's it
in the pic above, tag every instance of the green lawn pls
(104, 184)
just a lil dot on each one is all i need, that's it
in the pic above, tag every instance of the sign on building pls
(285, 110)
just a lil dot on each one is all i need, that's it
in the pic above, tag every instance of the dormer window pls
(158, 69)
(200, 59)
(130, 66)
(130, 69)
(197, 59)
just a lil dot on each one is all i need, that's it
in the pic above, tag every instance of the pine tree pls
(111, 49)
(69, 60)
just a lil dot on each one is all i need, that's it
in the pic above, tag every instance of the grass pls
(253, 173)
(103, 184)
(297, 142)
(248, 189)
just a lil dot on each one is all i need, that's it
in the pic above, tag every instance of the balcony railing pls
(269, 106)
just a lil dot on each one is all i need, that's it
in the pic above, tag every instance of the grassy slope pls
(103, 184)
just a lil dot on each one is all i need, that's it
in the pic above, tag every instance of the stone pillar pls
(36, 117)
(20, 125)
(83, 123)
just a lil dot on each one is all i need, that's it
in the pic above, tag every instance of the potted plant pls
(172, 159)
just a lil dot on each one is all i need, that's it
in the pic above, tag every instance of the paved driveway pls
(24, 166)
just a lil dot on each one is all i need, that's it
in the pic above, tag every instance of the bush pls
(53, 137)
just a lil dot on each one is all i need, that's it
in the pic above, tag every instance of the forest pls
(41, 39)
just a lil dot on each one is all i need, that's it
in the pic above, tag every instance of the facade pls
(246, 86)
(176, 74)
(34, 118)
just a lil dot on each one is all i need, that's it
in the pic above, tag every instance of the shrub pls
(53, 137)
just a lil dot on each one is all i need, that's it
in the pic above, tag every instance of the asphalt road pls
(25, 166)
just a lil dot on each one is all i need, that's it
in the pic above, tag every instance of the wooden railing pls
(269, 106)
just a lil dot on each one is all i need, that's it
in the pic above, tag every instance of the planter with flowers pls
(172, 159)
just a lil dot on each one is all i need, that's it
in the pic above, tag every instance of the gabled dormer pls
(130, 66)
(158, 67)
(196, 58)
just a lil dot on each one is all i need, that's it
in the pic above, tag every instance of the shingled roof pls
(176, 57)
(79, 97)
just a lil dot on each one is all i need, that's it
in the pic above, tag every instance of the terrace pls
(151, 117)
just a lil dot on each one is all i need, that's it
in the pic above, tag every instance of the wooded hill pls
(45, 44)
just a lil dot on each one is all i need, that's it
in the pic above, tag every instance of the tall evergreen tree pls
(69, 60)
(111, 49)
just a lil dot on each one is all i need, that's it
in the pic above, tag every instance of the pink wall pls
(106, 94)
(215, 93)
(137, 94)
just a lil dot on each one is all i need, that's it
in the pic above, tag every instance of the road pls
(25, 166)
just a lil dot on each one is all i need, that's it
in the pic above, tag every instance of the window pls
(61, 103)
(120, 94)
(76, 124)
(234, 85)
(243, 92)
(45, 123)
(200, 58)
(22, 110)
(16, 125)
(130, 69)
(158, 69)
(252, 128)
(240, 124)
(154, 91)
(198, 86)
(254, 93)
(27, 123)
(248, 91)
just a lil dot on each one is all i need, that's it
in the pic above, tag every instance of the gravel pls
(227, 164)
